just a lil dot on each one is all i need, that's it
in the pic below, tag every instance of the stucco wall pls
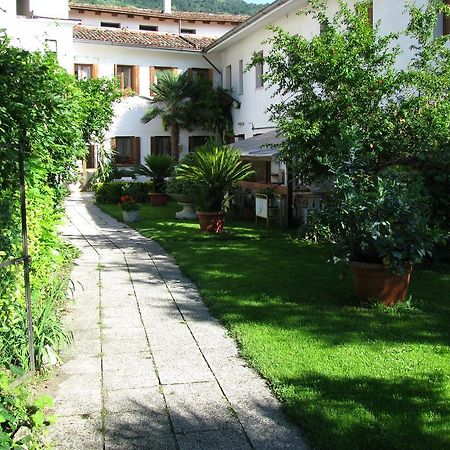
(130, 110)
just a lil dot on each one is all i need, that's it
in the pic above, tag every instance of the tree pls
(348, 78)
(172, 103)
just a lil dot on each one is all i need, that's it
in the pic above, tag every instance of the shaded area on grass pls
(352, 377)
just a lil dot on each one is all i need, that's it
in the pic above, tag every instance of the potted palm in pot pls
(214, 170)
(379, 225)
(157, 167)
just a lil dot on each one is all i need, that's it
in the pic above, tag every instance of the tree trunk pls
(174, 140)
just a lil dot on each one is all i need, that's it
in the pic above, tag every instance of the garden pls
(350, 370)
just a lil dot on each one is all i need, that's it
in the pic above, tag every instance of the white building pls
(135, 44)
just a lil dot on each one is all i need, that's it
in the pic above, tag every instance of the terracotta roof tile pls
(141, 38)
(183, 15)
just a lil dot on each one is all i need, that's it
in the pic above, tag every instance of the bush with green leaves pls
(22, 420)
(213, 170)
(112, 191)
(46, 110)
(350, 80)
(380, 219)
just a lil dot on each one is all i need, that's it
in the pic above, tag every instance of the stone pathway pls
(149, 367)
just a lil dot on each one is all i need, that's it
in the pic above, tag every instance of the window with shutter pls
(85, 71)
(160, 145)
(128, 77)
(197, 141)
(127, 150)
(259, 71)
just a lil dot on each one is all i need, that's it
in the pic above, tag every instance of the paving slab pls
(149, 368)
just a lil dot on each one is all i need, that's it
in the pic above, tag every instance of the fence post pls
(25, 255)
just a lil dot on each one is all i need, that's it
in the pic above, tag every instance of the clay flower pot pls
(211, 222)
(376, 281)
(158, 199)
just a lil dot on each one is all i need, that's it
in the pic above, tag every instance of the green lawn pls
(351, 377)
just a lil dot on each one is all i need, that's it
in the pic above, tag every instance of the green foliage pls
(41, 107)
(347, 81)
(211, 6)
(212, 109)
(99, 95)
(172, 103)
(214, 170)
(381, 219)
(158, 167)
(111, 192)
(18, 413)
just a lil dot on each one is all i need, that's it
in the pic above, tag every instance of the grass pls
(351, 377)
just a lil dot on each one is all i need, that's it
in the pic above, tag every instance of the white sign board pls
(262, 209)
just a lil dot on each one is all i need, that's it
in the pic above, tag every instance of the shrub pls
(22, 421)
(112, 191)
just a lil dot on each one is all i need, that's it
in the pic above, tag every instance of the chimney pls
(167, 7)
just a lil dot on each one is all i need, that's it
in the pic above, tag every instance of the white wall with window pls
(105, 60)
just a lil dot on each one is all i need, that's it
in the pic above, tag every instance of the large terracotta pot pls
(375, 281)
(211, 222)
(158, 199)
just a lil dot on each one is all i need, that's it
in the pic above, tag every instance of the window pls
(160, 145)
(85, 71)
(239, 137)
(259, 71)
(128, 77)
(188, 31)
(148, 27)
(154, 72)
(228, 82)
(197, 141)
(126, 150)
(446, 21)
(206, 74)
(110, 24)
(241, 77)
(23, 7)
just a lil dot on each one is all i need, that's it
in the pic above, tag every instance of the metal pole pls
(26, 257)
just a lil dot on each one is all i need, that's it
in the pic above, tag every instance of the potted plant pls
(158, 167)
(214, 170)
(379, 225)
(130, 209)
(182, 192)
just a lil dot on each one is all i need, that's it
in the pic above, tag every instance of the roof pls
(261, 19)
(178, 15)
(132, 38)
(261, 146)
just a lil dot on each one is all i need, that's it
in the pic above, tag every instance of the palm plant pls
(171, 103)
(214, 170)
(157, 167)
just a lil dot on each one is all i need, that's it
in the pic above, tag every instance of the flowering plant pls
(128, 203)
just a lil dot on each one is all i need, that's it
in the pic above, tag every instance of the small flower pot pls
(211, 222)
(375, 281)
(130, 216)
(158, 199)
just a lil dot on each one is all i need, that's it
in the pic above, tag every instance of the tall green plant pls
(157, 167)
(214, 170)
(171, 102)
